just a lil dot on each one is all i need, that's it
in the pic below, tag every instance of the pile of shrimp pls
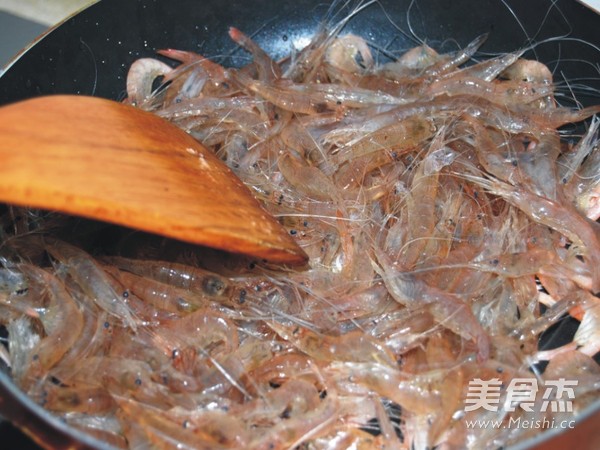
(449, 223)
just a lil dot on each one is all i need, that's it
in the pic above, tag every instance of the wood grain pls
(104, 160)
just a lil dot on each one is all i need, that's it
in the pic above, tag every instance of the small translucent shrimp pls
(194, 279)
(292, 398)
(94, 338)
(460, 57)
(530, 71)
(517, 264)
(448, 309)
(267, 69)
(86, 400)
(505, 92)
(62, 321)
(585, 184)
(215, 72)
(414, 61)
(352, 346)
(292, 432)
(204, 329)
(395, 139)
(308, 180)
(209, 430)
(92, 279)
(144, 311)
(160, 295)
(388, 382)
(209, 107)
(487, 70)
(280, 368)
(420, 207)
(562, 217)
(140, 79)
(349, 53)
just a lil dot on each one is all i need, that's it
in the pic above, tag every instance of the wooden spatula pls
(104, 160)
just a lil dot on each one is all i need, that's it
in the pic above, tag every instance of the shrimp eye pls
(213, 286)
(286, 413)
(360, 60)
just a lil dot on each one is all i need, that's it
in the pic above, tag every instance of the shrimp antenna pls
(342, 23)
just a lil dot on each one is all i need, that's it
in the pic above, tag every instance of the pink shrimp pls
(93, 281)
(352, 346)
(140, 79)
(198, 281)
(91, 401)
(267, 68)
(161, 295)
(62, 320)
(349, 53)
(560, 216)
(448, 309)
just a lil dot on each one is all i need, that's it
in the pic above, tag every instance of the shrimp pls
(487, 70)
(531, 71)
(307, 180)
(62, 321)
(395, 139)
(585, 183)
(412, 62)
(352, 346)
(297, 429)
(160, 295)
(452, 61)
(140, 79)
(349, 53)
(163, 432)
(93, 280)
(421, 207)
(196, 280)
(505, 92)
(201, 329)
(449, 310)
(559, 216)
(267, 69)
(78, 399)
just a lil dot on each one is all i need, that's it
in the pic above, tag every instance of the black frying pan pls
(91, 52)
